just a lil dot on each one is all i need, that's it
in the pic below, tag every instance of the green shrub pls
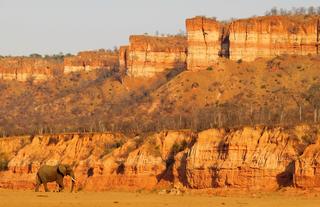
(178, 147)
(110, 147)
(153, 147)
(4, 161)
(309, 139)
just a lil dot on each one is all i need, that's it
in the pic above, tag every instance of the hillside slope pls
(284, 90)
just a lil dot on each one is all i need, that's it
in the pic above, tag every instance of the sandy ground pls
(80, 199)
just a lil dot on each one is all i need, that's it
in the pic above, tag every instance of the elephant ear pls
(62, 169)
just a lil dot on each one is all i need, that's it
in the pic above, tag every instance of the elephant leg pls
(60, 183)
(37, 187)
(45, 187)
(38, 183)
(43, 180)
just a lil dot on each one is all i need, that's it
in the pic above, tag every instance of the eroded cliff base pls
(249, 158)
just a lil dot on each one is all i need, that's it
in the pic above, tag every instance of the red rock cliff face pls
(90, 60)
(204, 42)
(123, 56)
(248, 39)
(307, 167)
(24, 68)
(148, 55)
(270, 36)
(254, 158)
(250, 158)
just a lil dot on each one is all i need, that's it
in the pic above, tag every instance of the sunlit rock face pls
(307, 167)
(268, 37)
(204, 42)
(248, 39)
(245, 158)
(91, 60)
(257, 158)
(29, 68)
(146, 56)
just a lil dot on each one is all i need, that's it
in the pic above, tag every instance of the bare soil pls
(28, 198)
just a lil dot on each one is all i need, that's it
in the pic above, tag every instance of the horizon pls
(48, 28)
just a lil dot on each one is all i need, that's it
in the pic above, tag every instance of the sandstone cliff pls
(148, 55)
(204, 42)
(307, 167)
(248, 39)
(271, 36)
(24, 68)
(123, 56)
(90, 60)
(251, 158)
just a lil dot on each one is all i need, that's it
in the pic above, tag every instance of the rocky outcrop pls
(101, 161)
(148, 55)
(204, 42)
(248, 39)
(27, 68)
(307, 167)
(268, 37)
(252, 158)
(123, 56)
(91, 60)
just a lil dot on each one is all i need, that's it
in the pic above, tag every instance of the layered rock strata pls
(307, 167)
(27, 68)
(251, 158)
(248, 39)
(268, 37)
(147, 56)
(91, 60)
(204, 42)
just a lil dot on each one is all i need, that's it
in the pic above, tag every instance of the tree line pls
(293, 11)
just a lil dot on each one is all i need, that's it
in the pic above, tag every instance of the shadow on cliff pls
(176, 70)
(178, 158)
(285, 179)
(223, 153)
(168, 175)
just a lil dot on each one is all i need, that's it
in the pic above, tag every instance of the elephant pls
(47, 173)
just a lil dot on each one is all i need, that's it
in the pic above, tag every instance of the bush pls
(110, 147)
(293, 29)
(153, 147)
(178, 147)
(3, 162)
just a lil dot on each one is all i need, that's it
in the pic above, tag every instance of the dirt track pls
(32, 199)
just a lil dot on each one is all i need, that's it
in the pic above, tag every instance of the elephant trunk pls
(73, 180)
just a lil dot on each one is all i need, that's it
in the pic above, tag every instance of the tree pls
(313, 97)
(301, 11)
(311, 10)
(298, 99)
(35, 55)
(274, 11)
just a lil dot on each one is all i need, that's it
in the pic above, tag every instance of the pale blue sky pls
(53, 26)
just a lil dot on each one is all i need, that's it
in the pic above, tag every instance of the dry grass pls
(231, 94)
